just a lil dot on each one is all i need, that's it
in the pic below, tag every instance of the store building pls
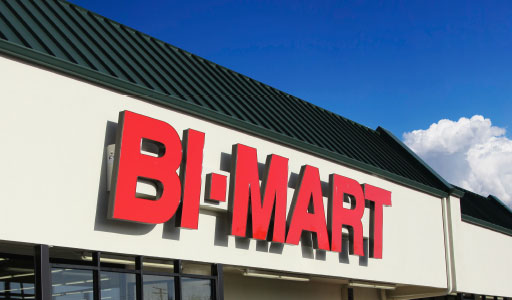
(132, 169)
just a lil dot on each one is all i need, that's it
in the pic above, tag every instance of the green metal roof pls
(488, 212)
(75, 41)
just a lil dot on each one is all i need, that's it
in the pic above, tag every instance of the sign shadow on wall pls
(102, 222)
(221, 231)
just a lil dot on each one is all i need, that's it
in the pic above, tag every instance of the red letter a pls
(136, 132)
(308, 189)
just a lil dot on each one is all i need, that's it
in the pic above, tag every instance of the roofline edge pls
(55, 64)
(485, 224)
(500, 202)
(449, 188)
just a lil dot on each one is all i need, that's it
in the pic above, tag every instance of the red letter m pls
(246, 189)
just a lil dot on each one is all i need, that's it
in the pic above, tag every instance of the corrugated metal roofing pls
(488, 209)
(71, 38)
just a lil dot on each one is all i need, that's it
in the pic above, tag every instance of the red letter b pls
(136, 133)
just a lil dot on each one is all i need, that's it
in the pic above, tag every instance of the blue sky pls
(400, 65)
(403, 65)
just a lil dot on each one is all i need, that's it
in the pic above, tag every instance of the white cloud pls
(470, 153)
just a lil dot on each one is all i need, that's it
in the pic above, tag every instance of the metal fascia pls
(500, 202)
(485, 224)
(457, 192)
(447, 185)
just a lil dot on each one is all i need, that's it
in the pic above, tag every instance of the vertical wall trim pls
(139, 278)
(96, 276)
(383, 295)
(43, 273)
(218, 271)
(177, 279)
(350, 295)
(344, 292)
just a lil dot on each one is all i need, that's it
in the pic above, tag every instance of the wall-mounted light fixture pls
(254, 273)
(128, 262)
(16, 275)
(371, 285)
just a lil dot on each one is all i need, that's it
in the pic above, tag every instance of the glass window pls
(158, 265)
(117, 261)
(196, 289)
(71, 284)
(16, 278)
(117, 286)
(70, 256)
(196, 268)
(158, 287)
(73, 272)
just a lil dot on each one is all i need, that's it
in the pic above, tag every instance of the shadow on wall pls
(221, 231)
(102, 222)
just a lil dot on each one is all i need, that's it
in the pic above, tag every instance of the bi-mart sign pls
(151, 150)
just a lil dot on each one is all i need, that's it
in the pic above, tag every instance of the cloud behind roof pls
(471, 153)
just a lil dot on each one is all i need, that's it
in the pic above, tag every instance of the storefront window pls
(196, 268)
(83, 275)
(117, 261)
(196, 289)
(158, 287)
(71, 284)
(158, 265)
(117, 286)
(16, 278)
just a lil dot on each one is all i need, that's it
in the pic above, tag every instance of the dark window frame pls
(7, 287)
(44, 263)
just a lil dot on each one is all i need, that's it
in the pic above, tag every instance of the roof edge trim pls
(447, 185)
(485, 224)
(500, 202)
(456, 191)
(74, 70)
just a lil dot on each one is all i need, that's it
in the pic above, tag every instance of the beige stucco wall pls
(367, 294)
(54, 130)
(483, 262)
(248, 288)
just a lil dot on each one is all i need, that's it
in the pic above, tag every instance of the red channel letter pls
(191, 169)
(130, 165)
(246, 188)
(378, 198)
(299, 217)
(338, 216)
(216, 185)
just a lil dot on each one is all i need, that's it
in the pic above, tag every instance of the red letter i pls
(190, 173)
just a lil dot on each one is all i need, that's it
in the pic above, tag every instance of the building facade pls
(135, 170)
